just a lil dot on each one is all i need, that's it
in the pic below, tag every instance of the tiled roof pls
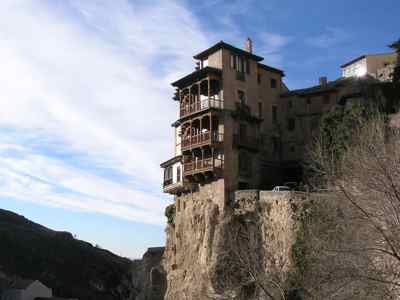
(271, 69)
(363, 56)
(330, 86)
(171, 161)
(224, 45)
(196, 75)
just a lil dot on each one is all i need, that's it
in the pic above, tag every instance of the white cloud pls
(91, 77)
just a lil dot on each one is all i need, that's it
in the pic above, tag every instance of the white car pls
(281, 188)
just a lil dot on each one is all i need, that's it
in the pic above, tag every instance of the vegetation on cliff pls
(170, 214)
(353, 245)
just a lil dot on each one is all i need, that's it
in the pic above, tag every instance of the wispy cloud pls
(273, 45)
(332, 36)
(90, 79)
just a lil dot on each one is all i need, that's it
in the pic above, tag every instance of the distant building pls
(301, 112)
(379, 66)
(28, 289)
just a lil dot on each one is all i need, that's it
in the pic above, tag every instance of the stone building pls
(379, 66)
(239, 125)
(227, 108)
(301, 112)
(26, 290)
(239, 130)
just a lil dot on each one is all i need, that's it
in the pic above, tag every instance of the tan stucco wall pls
(375, 62)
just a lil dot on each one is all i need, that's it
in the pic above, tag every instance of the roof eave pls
(171, 161)
(353, 61)
(207, 70)
(221, 45)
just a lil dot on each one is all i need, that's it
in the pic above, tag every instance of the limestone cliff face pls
(148, 276)
(193, 242)
(237, 249)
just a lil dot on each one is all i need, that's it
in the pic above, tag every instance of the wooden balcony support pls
(203, 165)
(190, 98)
(201, 139)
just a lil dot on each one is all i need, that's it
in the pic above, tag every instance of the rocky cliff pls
(237, 249)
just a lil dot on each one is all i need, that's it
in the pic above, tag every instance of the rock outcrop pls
(238, 249)
(148, 276)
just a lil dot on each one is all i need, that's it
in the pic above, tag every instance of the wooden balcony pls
(202, 105)
(202, 166)
(172, 188)
(201, 139)
(252, 143)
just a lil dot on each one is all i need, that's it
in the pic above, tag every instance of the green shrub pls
(170, 214)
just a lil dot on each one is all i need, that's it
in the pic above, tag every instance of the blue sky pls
(86, 101)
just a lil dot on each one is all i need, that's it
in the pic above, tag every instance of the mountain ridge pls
(71, 267)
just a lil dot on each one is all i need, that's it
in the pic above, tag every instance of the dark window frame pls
(274, 113)
(273, 83)
(291, 124)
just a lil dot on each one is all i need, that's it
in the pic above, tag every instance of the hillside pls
(73, 268)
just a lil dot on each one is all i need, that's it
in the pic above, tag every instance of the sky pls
(86, 101)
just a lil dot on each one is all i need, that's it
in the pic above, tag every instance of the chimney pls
(248, 46)
(323, 81)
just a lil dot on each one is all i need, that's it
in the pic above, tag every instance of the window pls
(242, 132)
(178, 174)
(314, 124)
(259, 78)
(326, 99)
(275, 145)
(260, 108)
(241, 97)
(292, 148)
(290, 104)
(273, 83)
(244, 164)
(168, 175)
(240, 64)
(308, 100)
(291, 124)
(274, 114)
(243, 185)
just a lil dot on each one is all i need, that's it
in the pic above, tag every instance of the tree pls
(354, 238)
(396, 74)
(241, 273)
(336, 131)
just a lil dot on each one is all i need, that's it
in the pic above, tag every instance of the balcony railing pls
(247, 142)
(203, 104)
(202, 165)
(201, 139)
